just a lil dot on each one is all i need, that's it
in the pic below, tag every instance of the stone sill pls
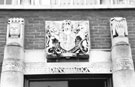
(34, 7)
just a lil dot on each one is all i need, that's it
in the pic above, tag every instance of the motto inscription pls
(71, 70)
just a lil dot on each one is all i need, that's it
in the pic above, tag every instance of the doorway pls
(68, 81)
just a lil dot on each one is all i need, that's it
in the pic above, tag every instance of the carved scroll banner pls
(67, 38)
(15, 31)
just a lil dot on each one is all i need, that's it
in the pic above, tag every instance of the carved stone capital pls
(15, 32)
(119, 32)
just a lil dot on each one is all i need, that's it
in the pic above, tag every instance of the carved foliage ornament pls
(118, 27)
(67, 38)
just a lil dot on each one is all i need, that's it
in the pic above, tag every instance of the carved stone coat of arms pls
(67, 38)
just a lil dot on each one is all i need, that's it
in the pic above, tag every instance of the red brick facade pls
(98, 20)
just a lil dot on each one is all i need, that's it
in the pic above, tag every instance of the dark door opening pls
(70, 83)
(87, 83)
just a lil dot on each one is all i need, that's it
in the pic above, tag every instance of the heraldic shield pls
(67, 39)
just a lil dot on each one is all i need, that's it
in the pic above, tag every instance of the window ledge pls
(67, 7)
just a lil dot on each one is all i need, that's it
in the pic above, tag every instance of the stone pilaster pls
(13, 63)
(123, 68)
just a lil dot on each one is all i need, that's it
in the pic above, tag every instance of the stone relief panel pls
(67, 39)
(119, 32)
(119, 27)
(15, 31)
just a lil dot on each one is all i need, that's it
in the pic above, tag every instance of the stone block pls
(12, 79)
(121, 51)
(13, 52)
(122, 58)
(124, 78)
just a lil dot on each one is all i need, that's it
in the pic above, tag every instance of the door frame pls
(66, 77)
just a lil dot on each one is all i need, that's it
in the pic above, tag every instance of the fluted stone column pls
(123, 68)
(13, 63)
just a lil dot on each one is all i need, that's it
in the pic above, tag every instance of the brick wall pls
(35, 25)
(2, 37)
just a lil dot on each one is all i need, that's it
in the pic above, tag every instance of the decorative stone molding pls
(67, 68)
(13, 65)
(15, 32)
(13, 59)
(67, 38)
